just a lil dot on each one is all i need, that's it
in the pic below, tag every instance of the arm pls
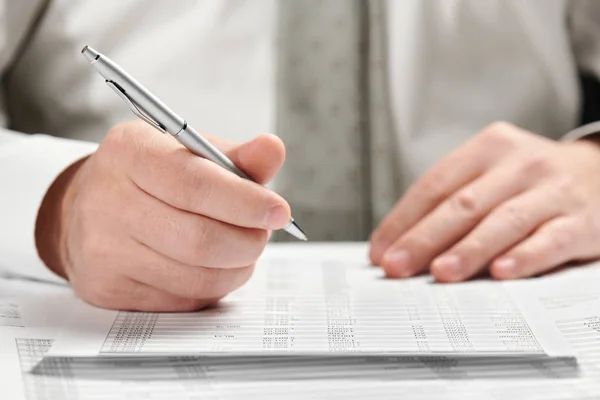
(141, 223)
(29, 164)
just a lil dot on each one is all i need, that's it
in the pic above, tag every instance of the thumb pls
(260, 158)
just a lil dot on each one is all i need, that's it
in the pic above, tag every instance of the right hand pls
(146, 225)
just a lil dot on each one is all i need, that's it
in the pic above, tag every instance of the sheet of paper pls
(29, 375)
(318, 302)
(10, 315)
(31, 304)
(570, 298)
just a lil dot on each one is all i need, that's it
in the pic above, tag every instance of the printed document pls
(571, 298)
(320, 302)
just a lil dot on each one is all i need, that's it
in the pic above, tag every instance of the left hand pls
(508, 199)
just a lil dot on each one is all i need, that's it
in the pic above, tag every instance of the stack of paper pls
(322, 305)
(316, 322)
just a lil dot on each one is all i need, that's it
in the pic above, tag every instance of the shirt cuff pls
(29, 164)
(582, 132)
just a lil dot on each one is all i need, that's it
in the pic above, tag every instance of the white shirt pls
(455, 66)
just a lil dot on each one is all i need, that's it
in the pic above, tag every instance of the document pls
(31, 376)
(10, 315)
(320, 304)
(352, 377)
(569, 299)
(32, 304)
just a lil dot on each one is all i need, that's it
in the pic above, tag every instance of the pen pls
(150, 109)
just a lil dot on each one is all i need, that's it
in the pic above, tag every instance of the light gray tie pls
(330, 85)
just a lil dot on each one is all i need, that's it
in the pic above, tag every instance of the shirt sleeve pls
(583, 131)
(29, 164)
(584, 26)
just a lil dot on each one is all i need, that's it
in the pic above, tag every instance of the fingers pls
(453, 172)
(549, 247)
(261, 158)
(185, 281)
(450, 222)
(509, 223)
(429, 191)
(193, 239)
(156, 228)
(129, 295)
(164, 169)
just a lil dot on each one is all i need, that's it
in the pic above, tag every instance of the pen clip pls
(134, 109)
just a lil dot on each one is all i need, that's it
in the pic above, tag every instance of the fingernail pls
(397, 263)
(377, 251)
(450, 264)
(506, 266)
(277, 217)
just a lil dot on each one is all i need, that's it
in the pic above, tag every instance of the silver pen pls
(150, 109)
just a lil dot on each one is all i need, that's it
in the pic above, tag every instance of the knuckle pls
(116, 136)
(116, 140)
(502, 135)
(466, 203)
(536, 165)
(430, 188)
(563, 183)
(566, 194)
(118, 144)
(497, 131)
(560, 240)
(516, 218)
(131, 143)
(500, 126)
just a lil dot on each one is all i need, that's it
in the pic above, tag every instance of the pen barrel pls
(203, 148)
(142, 97)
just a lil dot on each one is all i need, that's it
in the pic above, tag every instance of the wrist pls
(50, 232)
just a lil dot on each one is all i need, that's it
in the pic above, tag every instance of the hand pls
(146, 225)
(508, 199)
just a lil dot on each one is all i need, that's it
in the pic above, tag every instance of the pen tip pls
(296, 231)
(84, 49)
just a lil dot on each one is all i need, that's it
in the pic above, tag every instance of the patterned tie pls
(339, 176)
